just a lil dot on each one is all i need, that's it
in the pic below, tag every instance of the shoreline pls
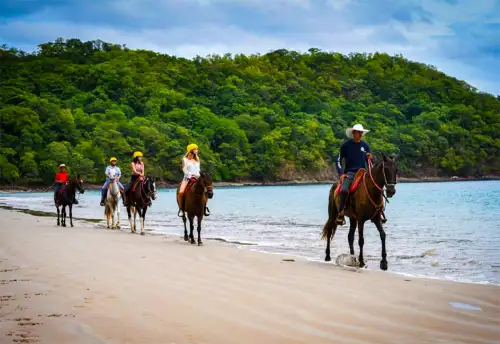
(232, 243)
(164, 185)
(217, 293)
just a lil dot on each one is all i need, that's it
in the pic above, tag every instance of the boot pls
(103, 197)
(340, 217)
(123, 198)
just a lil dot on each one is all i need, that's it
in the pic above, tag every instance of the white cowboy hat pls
(62, 165)
(357, 127)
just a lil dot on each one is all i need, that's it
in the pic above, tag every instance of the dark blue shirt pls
(354, 155)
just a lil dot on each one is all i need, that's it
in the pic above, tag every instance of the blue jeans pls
(344, 190)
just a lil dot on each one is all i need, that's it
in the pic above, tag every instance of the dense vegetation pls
(278, 116)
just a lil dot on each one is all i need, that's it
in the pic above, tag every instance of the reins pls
(379, 208)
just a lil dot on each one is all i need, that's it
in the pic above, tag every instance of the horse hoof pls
(361, 264)
(107, 227)
(64, 225)
(328, 259)
(383, 265)
(118, 227)
(193, 242)
(143, 233)
(200, 243)
(72, 225)
(186, 238)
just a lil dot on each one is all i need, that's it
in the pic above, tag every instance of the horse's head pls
(79, 184)
(208, 184)
(112, 176)
(390, 170)
(150, 186)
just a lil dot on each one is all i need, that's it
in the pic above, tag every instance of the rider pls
(137, 166)
(355, 153)
(191, 169)
(61, 179)
(117, 172)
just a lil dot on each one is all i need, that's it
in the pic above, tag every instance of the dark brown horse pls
(65, 198)
(196, 198)
(138, 200)
(363, 204)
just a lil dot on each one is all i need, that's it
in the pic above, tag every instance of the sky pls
(459, 37)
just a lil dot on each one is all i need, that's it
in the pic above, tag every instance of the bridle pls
(386, 183)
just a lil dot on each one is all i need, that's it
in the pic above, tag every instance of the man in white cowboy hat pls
(355, 154)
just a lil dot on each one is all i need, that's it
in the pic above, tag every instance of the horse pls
(138, 200)
(112, 205)
(65, 198)
(365, 202)
(196, 198)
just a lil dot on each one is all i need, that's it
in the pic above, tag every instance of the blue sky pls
(459, 37)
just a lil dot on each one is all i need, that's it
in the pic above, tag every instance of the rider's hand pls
(341, 178)
(369, 156)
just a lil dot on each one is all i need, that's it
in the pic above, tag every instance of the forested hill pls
(278, 116)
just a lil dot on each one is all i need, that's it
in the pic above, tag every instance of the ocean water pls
(439, 230)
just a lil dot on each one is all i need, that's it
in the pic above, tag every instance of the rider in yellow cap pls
(137, 167)
(191, 169)
(111, 169)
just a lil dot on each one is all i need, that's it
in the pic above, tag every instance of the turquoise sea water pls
(439, 230)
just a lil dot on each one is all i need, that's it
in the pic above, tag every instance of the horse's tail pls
(332, 212)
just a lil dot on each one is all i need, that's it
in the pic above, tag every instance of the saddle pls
(137, 183)
(354, 186)
(190, 183)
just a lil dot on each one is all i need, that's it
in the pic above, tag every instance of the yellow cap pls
(136, 154)
(113, 159)
(191, 147)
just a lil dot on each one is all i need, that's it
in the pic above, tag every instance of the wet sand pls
(91, 285)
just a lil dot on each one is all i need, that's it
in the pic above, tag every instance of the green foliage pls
(281, 115)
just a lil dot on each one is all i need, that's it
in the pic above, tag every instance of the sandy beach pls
(90, 285)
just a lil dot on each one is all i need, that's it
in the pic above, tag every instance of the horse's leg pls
(63, 216)
(58, 213)
(191, 229)
(352, 230)
(142, 218)
(383, 262)
(118, 213)
(71, 214)
(184, 219)
(135, 219)
(113, 207)
(361, 241)
(130, 219)
(199, 218)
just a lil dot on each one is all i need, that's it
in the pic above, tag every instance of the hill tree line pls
(278, 116)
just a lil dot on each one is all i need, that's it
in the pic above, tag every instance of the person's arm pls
(108, 170)
(143, 170)
(338, 163)
(368, 152)
(132, 165)
(184, 167)
(118, 173)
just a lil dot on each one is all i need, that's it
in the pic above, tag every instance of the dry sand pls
(91, 285)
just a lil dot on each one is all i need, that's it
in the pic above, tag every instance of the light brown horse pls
(195, 204)
(363, 204)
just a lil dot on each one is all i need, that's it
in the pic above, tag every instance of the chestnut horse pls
(65, 198)
(364, 203)
(195, 204)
